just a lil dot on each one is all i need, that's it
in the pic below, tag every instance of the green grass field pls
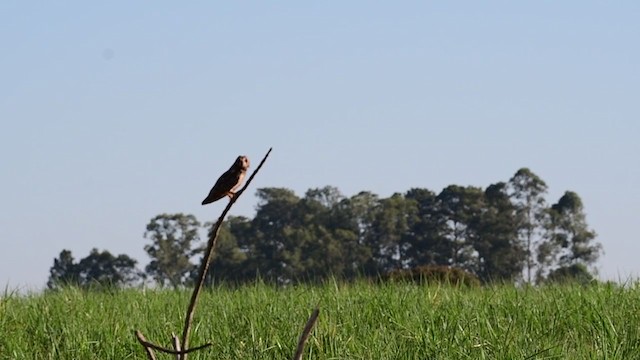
(357, 321)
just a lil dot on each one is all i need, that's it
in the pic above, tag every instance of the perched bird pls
(229, 181)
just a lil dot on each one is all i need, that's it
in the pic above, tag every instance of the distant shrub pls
(434, 274)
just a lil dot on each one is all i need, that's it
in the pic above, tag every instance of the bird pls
(229, 181)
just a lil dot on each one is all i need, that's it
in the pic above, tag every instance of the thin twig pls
(176, 344)
(149, 345)
(147, 349)
(206, 259)
(305, 333)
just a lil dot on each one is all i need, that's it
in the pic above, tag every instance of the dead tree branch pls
(175, 341)
(305, 334)
(206, 259)
(147, 348)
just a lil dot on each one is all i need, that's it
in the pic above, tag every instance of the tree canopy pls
(504, 232)
(174, 240)
(99, 269)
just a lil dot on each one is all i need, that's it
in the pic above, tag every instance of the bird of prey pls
(229, 181)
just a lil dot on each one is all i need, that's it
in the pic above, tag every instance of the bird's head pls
(242, 162)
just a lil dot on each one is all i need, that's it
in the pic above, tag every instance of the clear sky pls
(114, 112)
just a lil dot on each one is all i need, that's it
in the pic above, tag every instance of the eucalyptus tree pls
(569, 241)
(267, 239)
(501, 255)
(353, 222)
(425, 242)
(527, 191)
(460, 208)
(174, 239)
(389, 231)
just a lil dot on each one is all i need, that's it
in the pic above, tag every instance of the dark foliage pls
(576, 273)
(100, 269)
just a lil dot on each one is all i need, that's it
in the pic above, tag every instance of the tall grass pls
(357, 321)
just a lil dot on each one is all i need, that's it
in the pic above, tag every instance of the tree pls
(318, 236)
(501, 255)
(425, 242)
(353, 220)
(327, 197)
(103, 269)
(98, 269)
(310, 238)
(229, 260)
(268, 243)
(173, 244)
(460, 207)
(64, 271)
(576, 273)
(495, 233)
(569, 239)
(527, 192)
(389, 231)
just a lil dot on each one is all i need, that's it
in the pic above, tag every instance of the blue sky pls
(112, 113)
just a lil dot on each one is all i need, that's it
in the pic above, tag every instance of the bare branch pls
(206, 259)
(305, 333)
(176, 344)
(149, 345)
(147, 349)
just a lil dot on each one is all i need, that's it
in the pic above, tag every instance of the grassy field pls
(357, 321)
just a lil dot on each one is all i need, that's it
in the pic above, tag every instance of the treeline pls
(504, 232)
